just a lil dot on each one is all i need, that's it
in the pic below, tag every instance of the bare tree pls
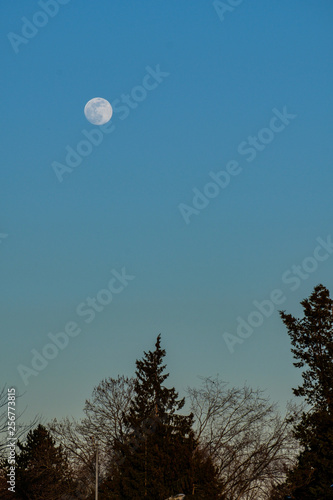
(248, 440)
(21, 429)
(101, 426)
(104, 412)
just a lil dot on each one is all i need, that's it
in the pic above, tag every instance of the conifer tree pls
(312, 341)
(42, 471)
(160, 456)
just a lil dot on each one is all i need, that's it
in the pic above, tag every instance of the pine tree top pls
(312, 340)
(152, 399)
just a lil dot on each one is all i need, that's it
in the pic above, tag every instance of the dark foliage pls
(160, 455)
(41, 468)
(312, 341)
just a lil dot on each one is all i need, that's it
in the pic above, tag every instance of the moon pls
(98, 111)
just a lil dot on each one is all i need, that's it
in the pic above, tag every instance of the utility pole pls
(96, 488)
(146, 466)
(96, 482)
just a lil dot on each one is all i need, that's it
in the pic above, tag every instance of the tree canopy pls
(160, 456)
(42, 471)
(312, 341)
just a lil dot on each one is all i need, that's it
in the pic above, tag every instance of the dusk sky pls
(204, 207)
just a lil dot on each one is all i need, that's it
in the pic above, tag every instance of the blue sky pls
(120, 208)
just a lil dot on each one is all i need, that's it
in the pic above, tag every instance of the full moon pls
(98, 111)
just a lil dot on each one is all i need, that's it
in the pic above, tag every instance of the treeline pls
(232, 444)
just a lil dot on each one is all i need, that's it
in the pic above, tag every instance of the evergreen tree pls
(42, 471)
(160, 456)
(312, 341)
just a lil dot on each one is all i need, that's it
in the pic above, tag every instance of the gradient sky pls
(120, 206)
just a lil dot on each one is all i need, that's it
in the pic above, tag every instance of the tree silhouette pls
(103, 420)
(159, 456)
(42, 472)
(243, 432)
(312, 341)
